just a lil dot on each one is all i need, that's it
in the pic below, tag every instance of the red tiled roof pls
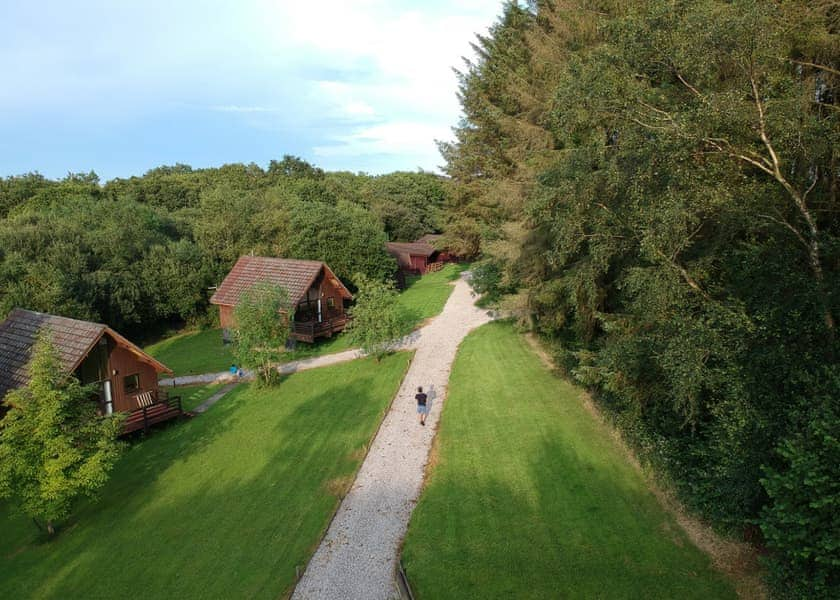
(72, 338)
(412, 248)
(295, 276)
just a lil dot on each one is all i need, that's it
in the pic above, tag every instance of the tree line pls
(652, 186)
(139, 252)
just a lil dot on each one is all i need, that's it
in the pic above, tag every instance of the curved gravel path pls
(284, 369)
(357, 557)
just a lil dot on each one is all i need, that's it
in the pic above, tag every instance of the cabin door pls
(320, 316)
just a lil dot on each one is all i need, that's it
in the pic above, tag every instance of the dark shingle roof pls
(293, 275)
(429, 238)
(412, 248)
(72, 338)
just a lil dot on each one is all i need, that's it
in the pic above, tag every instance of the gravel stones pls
(357, 557)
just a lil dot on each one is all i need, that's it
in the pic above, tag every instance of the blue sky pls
(120, 87)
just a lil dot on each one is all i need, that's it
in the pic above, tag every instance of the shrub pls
(802, 521)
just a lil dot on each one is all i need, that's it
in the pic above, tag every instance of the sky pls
(119, 87)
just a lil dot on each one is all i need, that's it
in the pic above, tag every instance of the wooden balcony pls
(161, 408)
(309, 331)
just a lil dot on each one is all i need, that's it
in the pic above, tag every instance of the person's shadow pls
(431, 394)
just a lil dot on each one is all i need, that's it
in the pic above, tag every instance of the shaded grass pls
(321, 347)
(531, 497)
(224, 505)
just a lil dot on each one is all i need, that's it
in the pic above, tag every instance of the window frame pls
(125, 383)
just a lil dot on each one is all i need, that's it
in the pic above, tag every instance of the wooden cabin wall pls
(226, 319)
(418, 263)
(332, 290)
(126, 363)
(404, 261)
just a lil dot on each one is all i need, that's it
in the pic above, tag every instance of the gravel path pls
(357, 557)
(290, 367)
(202, 408)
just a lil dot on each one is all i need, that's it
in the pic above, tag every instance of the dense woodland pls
(654, 188)
(141, 253)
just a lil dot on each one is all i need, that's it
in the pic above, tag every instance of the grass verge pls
(532, 497)
(193, 395)
(424, 297)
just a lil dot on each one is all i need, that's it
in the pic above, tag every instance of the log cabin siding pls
(125, 363)
(226, 317)
(418, 263)
(328, 291)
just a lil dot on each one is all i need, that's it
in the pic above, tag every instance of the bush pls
(377, 317)
(802, 521)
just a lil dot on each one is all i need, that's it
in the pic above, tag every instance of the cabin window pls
(132, 383)
(330, 302)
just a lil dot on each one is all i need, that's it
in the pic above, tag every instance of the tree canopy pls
(377, 317)
(261, 330)
(653, 186)
(140, 252)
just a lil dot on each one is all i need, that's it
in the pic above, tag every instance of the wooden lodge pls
(125, 376)
(420, 256)
(316, 293)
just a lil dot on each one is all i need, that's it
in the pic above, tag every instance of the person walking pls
(422, 408)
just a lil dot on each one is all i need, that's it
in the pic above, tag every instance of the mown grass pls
(224, 505)
(198, 352)
(424, 297)
(193, 352)
(193, 395)
(531, 497)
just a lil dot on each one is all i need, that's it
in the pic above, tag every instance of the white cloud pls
(405, 56)
(245, 79)
(233, 108)
(408, 138)
(357, 108)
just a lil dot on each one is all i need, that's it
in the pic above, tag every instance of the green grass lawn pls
(321, 346)
(193, 395)
(425, 296)
(198, 352)
(530, 497)
(193, 352)
(222, 506)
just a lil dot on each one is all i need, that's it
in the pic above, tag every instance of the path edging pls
(368, 446)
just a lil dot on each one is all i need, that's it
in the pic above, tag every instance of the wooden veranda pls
(152, 407)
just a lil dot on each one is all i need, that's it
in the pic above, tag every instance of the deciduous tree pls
(54, 445)
(263, 320)
(377, 318)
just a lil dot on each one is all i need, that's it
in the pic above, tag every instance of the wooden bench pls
(145, 399)
(151, 411)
